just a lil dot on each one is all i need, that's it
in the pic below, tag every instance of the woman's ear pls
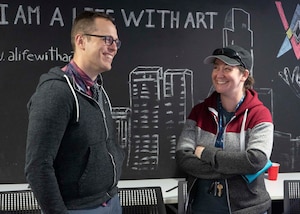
(246, 74)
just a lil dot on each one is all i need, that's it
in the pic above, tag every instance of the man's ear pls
(80, 41)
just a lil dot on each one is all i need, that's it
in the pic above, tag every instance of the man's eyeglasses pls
(109, 40)
(229, 53)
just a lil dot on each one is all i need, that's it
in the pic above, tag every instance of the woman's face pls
(228, 80)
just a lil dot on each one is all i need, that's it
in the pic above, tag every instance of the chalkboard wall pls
(157, 75)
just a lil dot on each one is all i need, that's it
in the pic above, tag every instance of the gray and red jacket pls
(248, 141)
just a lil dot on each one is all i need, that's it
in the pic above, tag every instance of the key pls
(219, 187)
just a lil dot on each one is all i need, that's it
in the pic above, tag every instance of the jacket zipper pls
(107, 134)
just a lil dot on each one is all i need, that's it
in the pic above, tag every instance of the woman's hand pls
(198, 151)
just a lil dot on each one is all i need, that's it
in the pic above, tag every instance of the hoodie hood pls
(250, 101)
(57, 74)
(54, 74)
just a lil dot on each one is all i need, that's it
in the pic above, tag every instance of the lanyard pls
(224, 118)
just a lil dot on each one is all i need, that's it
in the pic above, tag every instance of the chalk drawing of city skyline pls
(160, 101)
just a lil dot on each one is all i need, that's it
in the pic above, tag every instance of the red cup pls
(273, 171)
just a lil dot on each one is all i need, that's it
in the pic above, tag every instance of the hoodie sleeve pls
(186, 160)
(49, 114)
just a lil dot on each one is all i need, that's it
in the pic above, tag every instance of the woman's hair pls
(249, 81)
(84, 23)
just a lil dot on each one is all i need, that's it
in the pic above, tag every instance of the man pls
(73, 162)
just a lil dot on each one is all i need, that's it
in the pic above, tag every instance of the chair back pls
(291, 200)
(144, 200)
(15, 202)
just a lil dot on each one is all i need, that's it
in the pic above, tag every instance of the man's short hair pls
(84, 23)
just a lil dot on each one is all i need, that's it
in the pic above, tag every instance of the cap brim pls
(225, 59)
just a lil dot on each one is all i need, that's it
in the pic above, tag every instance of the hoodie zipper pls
(215, 115)
(104, 117)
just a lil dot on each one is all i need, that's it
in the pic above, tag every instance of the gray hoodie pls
(72, 158)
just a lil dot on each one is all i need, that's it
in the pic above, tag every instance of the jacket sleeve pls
(49, 115)
(187, 161)
(257, 152)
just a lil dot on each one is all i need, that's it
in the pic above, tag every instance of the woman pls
(227, 136)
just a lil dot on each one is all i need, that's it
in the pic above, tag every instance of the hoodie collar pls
(82, 80)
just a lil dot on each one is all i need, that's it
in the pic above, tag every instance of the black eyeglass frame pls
(109, 40)
(229, 53)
